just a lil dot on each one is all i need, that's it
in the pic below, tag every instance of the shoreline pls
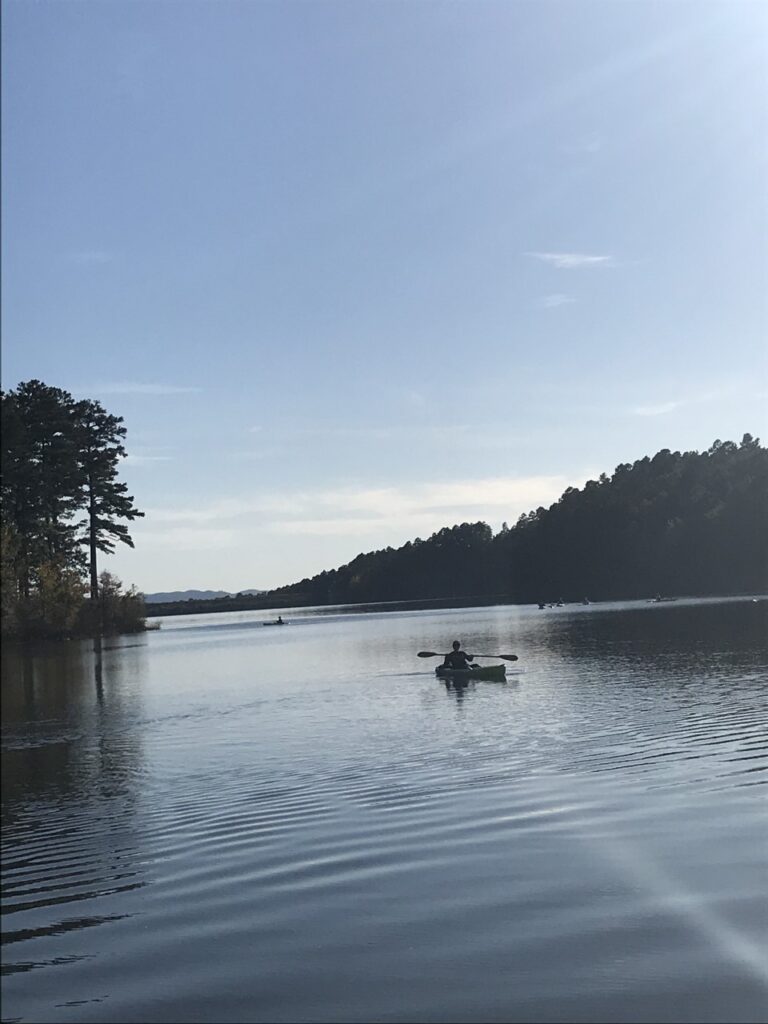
(417, 604)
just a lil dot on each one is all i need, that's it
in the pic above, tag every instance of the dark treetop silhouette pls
(60, 460)
(676, 523)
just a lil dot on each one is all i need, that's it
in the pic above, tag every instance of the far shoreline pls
(194, 607)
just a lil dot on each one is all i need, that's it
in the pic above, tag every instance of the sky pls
(355, 271)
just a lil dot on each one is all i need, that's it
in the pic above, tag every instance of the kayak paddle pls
(504, 657)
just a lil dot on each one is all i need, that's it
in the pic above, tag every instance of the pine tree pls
(41, 481)
(100, 443)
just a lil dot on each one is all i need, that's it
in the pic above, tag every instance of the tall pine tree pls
(100, 448)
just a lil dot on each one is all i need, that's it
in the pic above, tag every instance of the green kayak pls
(494, 672)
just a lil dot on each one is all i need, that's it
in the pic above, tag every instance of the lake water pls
(225, 822)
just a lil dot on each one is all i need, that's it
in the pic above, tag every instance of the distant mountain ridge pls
(194, 595)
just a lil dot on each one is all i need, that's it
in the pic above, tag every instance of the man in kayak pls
(457, 658)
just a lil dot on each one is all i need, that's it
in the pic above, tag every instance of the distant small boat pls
(275, 622)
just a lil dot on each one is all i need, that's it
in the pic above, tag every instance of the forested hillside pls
(676, 523)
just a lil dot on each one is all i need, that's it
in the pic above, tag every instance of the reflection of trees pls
(686, 633)
(72, 750)
(62, 705)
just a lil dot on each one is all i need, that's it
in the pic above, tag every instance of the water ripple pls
(196, 841)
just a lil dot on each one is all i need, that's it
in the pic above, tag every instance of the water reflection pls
(60, 704)
(71, 761)
(647, 632)
(98, 668)
(303, 820)
(458, 688)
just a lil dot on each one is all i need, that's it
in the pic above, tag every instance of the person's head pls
(456, 645)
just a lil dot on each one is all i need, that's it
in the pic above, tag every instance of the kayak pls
(274, 623)
(494, 672)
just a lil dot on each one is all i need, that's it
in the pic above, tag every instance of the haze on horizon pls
(354, 272)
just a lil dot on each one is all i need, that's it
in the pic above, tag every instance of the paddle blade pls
(429, 654)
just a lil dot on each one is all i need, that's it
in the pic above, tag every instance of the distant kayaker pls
(457, 658)
(280, 620)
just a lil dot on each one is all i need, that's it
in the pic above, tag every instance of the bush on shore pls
(58, 607)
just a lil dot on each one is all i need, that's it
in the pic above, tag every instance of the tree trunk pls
(92, 541)
(24, 570)
(98, 623)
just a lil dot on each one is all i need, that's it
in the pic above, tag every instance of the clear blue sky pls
(355, 271)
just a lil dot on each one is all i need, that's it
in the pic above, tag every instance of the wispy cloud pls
(585, 145)
(149, 455)
(740, 391)
(145, 460)
(292, 441)
(186, 538)
(89, 257)
(572, 260)
(659, 409)
(218, 511)
(137, 388)
(440, 433)
(252, 456)
(555, 300)
(382, 513)
(414, 400)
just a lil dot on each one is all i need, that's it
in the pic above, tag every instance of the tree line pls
(62, 504)
(692, 523)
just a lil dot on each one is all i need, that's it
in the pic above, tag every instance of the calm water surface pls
(226, 822)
